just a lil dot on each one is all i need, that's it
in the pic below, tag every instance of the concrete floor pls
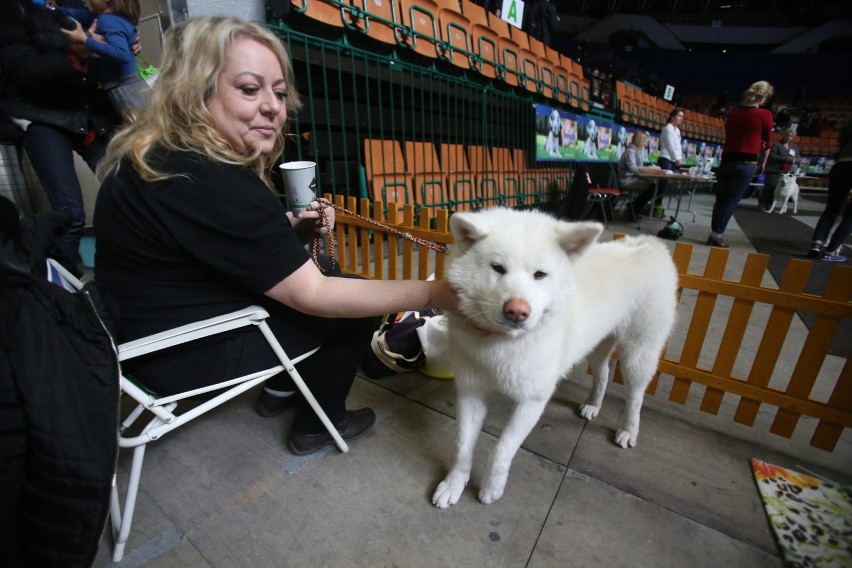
(224, 491)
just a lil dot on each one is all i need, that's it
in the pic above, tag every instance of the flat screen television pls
(565, 136)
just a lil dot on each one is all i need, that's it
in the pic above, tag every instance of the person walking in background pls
(49, 92)
(116, 62)
(839, 184)
(781, 158)
(748, 134)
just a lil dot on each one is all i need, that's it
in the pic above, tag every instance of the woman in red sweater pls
(748, 137)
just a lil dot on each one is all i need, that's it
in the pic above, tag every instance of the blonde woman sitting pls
(631, 166)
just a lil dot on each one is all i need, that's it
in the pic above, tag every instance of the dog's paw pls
(491, 491)
(448, 492)
(589, 412)
(626, 439)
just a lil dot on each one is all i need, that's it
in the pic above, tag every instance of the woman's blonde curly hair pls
(757, 91)
(177, 117)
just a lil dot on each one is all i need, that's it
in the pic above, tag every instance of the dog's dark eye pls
(539, 274)
(498, 268)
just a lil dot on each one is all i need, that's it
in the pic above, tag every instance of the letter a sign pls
(513, 12)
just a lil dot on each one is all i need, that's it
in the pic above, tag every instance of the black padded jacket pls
(59, 392)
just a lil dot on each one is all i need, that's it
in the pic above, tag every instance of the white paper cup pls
(300, 184)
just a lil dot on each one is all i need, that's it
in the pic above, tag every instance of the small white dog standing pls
(538, 295)
(786, 190)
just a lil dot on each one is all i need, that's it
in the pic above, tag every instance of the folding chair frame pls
(165, 420)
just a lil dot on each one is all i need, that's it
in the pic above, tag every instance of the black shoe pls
(716, 242)
(268, 405)
(355, 424)
(816, 251)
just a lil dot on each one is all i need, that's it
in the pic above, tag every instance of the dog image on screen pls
(551, 143)
(622, 142)
(590, 146)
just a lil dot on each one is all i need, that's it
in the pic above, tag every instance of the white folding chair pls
(163, 408)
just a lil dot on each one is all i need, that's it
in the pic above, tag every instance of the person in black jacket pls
(48, 91)
(540, 19)
(493, 6)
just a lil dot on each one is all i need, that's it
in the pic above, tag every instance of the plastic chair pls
(429, 182)
(532, 183)
(326, 12)
(434, 185)
(462, 180)
(378, 20)
(164, 418)
(578, 83)
(529, 60)
(604, 197)
(508, 52)
(546, 69)
(561, 84)
(386, 173)
(420, 17)
(483, 40)
(494, 187)
(455, 33)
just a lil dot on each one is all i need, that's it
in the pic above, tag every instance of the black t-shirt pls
(210, 240)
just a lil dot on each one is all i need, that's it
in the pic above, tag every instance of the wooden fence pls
(373, 252)
(708, 302)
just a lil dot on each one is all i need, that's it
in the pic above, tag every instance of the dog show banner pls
(565, 136)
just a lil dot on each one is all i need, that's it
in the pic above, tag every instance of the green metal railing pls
(355, 89)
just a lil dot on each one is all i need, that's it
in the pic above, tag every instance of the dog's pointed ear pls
(467, 228)
(575, 238)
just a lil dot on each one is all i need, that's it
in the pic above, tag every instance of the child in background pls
(116, 21)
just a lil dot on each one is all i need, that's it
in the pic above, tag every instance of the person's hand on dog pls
(442, 297)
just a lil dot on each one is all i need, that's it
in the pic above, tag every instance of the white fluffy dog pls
(551, 144)
(538, 296)
(787, 189)
(590, 146)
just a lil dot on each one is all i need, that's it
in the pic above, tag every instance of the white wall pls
(245, 9)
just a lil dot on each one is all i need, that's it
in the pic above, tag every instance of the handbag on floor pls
(396, 346)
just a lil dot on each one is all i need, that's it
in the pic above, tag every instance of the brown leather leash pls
(316, 246)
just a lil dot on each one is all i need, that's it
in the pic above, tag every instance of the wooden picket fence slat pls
(373, 252)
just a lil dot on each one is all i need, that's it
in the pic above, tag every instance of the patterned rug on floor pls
(811, 517)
